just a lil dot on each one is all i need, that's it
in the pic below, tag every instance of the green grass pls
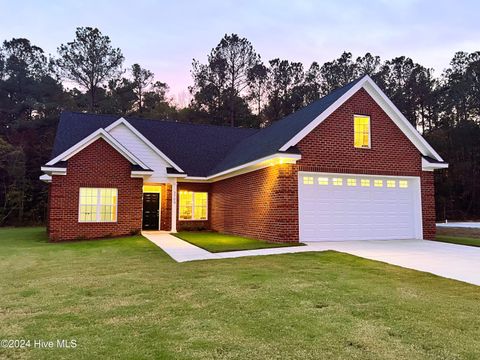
(460, 240)
(217, 242)
(126, 299)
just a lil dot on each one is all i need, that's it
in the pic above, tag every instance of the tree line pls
(233, 87)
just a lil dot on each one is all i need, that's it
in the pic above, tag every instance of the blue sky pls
(164, 36)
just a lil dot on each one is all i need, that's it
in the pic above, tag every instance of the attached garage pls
(339, 207)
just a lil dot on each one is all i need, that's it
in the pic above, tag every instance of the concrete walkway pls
(182, 251)
(448, 260)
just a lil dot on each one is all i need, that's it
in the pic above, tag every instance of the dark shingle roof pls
(196, 149)
(201, 150)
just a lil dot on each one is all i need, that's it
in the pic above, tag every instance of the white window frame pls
(193, 205)
(98, 215)
(369, 131)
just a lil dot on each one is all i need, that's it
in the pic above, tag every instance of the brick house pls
(347, 167)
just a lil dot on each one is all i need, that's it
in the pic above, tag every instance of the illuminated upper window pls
(98, 205)
(322, 181)
(351, 182)
(192, 205)
(378, 183)
(308, 180)
(361, 126)
(403, 184)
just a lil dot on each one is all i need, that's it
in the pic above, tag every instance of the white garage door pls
(336, 207)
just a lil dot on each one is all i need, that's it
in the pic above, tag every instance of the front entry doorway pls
(151, 211)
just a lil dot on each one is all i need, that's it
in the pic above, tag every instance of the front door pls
(150, 211)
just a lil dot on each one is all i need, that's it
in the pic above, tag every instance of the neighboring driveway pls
(448, 260)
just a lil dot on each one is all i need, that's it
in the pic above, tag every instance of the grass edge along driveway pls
(218, 242)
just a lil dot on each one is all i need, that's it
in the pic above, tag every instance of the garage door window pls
(365, 182)
(308, 180)
(351, 182)
(403, 184)
(322, 181)
(378, 183)
(391, 184)
(337, 181)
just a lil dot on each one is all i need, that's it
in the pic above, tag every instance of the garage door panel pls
(362, 207)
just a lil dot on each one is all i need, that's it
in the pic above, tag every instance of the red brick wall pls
(98, 165)
(260, 204)
(263, 203)
(194, 224)
(428, 204)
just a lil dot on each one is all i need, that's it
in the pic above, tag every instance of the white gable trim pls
(99, 134)
(428, 166)
(144, 139)
(384, 102)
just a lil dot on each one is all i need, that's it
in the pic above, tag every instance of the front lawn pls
(217, 242)
(126, 299)
(460, 240)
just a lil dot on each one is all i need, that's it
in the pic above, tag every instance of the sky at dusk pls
(164, 36)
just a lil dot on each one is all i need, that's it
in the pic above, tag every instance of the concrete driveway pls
(448, 260)
(457, 262)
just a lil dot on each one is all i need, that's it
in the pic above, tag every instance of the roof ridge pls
(171, 121)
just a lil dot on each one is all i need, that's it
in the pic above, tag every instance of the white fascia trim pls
(141, 174)
(53, 169)
(176, 175)
(412, 134)
(45, 178)
(144, 139)
(100, 133)
(428, 166)
(250, 166)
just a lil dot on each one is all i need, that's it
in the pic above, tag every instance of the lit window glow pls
(365, 182)
(391, 183)
(361, 126)
(308, 180)
(351, 182)
(97, 205)
(378, 183)
(337, 181)
(322, 181)
(403, 184)
(192, 205)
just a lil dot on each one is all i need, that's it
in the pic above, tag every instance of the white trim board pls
(99, 134)
(248, 167)
(384, 102)
(144, 139)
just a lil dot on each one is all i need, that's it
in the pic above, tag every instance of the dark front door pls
(150, 211)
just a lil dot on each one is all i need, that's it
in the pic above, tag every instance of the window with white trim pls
(98, 205)
(361, 127)
(192, 205)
